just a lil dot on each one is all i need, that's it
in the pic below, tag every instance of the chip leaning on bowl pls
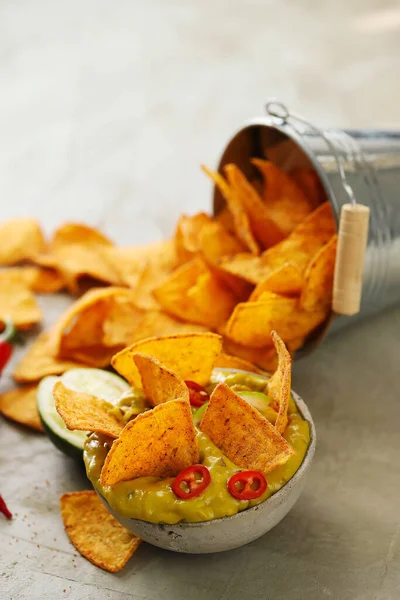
(207, 443)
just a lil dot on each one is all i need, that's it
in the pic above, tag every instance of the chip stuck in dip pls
(208, 442)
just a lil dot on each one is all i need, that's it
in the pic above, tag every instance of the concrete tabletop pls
(106, 111)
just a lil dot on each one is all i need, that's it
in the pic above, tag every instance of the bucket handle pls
(353, 223)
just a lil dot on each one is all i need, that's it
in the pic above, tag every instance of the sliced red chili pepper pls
(4, 509)
(247, 485)
(191, 482)
(198, 394)
(6, 335)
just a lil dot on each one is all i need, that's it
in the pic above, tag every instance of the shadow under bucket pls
(362, 164)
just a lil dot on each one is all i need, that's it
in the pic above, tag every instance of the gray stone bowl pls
(227, 533)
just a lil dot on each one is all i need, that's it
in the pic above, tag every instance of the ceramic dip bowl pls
(231, 532)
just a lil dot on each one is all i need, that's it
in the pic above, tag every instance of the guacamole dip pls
(152, 499)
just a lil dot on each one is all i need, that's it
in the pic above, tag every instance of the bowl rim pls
(305, 413)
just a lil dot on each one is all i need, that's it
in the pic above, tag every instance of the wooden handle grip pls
(352, 242)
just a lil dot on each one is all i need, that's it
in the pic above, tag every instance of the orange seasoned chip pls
(173, 445)
(279, 385)
(159, 383)
(191, 355)
(226, 361)
(187, 235)
(211, 299)
(39, 361)
(224, 218)
(285, 203)
(40, 280)
(265, 230)
(95, 533)
(19, 304)
(318, 284)
(21, 239)
(216, 242)
(251, 323)
(264, 357)
(83, 412)
(240, 218)
(20, 405)
(246, 437)
(285, 280)
(157, 323)
(310, 184)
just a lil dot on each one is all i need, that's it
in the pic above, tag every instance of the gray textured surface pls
(106, 110)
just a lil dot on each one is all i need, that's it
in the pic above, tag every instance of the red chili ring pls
(240, 485)
(194, 487)
(198, 393)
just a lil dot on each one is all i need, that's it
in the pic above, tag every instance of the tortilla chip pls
(83, 412)
(224, 217)
(157, 323)
(39, 362)
(21, 239)
(191, 355)
(265, 357)
(77, 233)
(251, 323)
(42, 281)
(318, 286)
(265, 230)
(172, 294)
(19, 304)
(310, 184)
(20, 405)
(240, 218)
(279, 385)
(187, 235)
(246, 437)
(226, 361)
(285, 203)
(285, 280)
(214, 302)
(294, 344)
(215, 242)
(95, 533)
(158, 443)
(159, 384)
(108, 313)
(299, 248)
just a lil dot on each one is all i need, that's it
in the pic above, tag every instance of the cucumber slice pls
(261, 402)
(199, 414)
(97, 382)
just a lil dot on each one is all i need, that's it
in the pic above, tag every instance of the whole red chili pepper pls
(4, 509)
(191, 482)
(6, 336)
(198, 394)
(247, 485)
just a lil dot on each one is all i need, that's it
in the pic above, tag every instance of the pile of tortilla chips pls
(161, 442)
(264, 263)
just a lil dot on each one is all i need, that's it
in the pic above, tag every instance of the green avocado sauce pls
(152, 499)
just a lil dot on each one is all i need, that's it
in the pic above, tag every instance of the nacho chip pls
(294, 344)
(215, 242)
(285, 203)
(21, 239)
(310, 184)
(251, 323)
(240, 219)
(83, 412)
(158, 443)
(191, 355)
(264, 357)
(224, 217)
(226, 361)
(19, 304)
(39, 362)
(157, 323)
(187, 235)
(95, 533)
(318, 284)
(265, 230)
(246, 437)
(285, 280)
(20, 405)
(279, 385)
(214, 302)
(77, 233)
(299, 248)
(159, 383)
(79, 333)
(40, 280)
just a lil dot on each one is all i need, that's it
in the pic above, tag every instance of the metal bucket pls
(358, 164)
